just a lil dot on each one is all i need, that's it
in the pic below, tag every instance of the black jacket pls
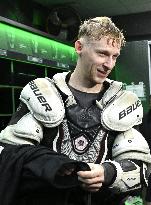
(27, 169)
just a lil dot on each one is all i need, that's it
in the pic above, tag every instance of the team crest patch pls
(80, 143)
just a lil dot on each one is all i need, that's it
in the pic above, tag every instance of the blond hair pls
(96, 28)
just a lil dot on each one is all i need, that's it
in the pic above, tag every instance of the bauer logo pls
(39, 96)
(129, 109)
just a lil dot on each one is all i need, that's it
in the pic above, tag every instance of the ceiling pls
(92, 8)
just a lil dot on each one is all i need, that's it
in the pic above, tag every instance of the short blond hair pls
(96, 28)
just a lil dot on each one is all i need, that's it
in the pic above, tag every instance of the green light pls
(21, 41)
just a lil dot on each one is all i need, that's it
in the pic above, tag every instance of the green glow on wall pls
(24, 42)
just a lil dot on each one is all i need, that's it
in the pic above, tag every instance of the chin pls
(100, 80)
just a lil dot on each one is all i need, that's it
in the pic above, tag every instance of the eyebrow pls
(107, 52)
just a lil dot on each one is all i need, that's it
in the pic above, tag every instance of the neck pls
(79, 83)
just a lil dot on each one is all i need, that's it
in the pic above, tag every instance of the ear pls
(78, 46)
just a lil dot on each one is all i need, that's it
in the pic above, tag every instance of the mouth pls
(101, 73)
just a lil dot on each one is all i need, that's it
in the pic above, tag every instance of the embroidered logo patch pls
(80, 143)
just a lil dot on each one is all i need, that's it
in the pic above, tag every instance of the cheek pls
(114, 62)
(99, 60)
(89, 61)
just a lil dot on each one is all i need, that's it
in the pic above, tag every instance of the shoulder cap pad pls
(44, 101)
(123, 112)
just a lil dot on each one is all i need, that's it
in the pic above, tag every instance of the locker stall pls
(26, 54)
(132, 69)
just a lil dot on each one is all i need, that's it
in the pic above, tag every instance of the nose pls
(109, 63)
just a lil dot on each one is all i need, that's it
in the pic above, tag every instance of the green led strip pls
(24, 42)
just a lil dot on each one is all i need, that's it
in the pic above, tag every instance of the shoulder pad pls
(60, 82)
(131, 145)
(123, 112)
(44, 101)
(28, 129)
(114, 90)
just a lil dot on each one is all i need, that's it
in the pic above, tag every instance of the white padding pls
(44, 101)
(123, 112)
(131, 145)
(126, 181)
(59, 80)
(1, 149)
(7, 136)
(111, 93)
(29, 129)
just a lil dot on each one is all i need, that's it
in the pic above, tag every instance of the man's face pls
(97, 59)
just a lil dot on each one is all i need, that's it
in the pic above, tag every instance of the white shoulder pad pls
(60, 82)
(7, 136)
(59, 79)
(111, 93)
(131, 145)
(29, 129)
(44, 101)
(123, 112)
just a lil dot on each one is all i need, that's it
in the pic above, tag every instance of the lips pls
(101, 73)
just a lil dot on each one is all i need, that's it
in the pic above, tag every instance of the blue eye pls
(115, 57)
(102, 54)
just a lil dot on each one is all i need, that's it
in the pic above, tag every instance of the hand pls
(92, 180)
(64, 171)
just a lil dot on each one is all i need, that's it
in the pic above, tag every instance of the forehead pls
(106, 43)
